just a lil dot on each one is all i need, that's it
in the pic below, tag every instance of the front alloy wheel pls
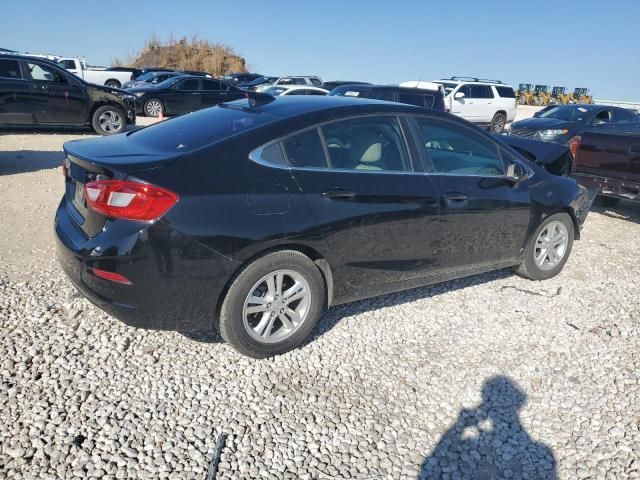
(111, 121)
(153, 108)
(551, 245)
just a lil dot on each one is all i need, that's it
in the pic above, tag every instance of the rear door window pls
(457, 150)
(190, 85)
(368, 144)
(10, 68)
(305, 150)
(481, 91)
(214, 85)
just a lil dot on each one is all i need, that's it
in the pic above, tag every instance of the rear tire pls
(153, 107)
(251, 313)
(498, 123)
(542, 241)
(113, 83)
(603, 201)
(109, 120)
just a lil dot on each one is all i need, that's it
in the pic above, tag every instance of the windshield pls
(569, 113)
(145, 76)
(448, 86)
(275, 91)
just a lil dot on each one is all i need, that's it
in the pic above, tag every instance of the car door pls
(376, 210)
(14, 93)
(484, 215)
(56, 96)
(185, 96)
(466, 106)
(483, 99)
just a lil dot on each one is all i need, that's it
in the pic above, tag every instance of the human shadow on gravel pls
(24, 161)
(489, 442)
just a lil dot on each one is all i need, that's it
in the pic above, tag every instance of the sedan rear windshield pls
(204, 127)
(570, 113)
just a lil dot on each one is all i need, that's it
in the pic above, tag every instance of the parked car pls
(235, 78)
(394, 93)
(110, 78)
(487, 103)
(151, 79)
(183, 94)
(256, 83)
(295, 90)
(291, 80)
(38, 92)
(608, 163)
(255, 216)
(338, 83)
(560, 123)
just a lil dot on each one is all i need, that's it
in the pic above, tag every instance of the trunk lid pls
(113, 157)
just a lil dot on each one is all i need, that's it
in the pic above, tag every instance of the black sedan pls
(560, 123)
(255, 216)
(183, 94)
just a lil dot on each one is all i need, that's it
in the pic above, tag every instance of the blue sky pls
(588, 43)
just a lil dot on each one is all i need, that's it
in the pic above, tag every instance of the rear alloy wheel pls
(548, 249)
(109, 120)
(153, 107)
(273, 304)
(498, 123)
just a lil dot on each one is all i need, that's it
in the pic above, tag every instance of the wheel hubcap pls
(276, 306)
(499, 124)
(110, 122)
(551, 245)
(154, 108)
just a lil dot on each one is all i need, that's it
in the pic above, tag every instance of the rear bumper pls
(176, 282)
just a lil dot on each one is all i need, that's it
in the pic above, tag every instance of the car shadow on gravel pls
(25, 161)
(337, 313)
(489, 441)
(625, 210)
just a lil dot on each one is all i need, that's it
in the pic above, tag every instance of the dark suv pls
(393, 93)
(37, 92)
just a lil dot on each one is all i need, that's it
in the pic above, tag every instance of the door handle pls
(455, 199)
(338, 194)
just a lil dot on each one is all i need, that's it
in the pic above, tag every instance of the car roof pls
(300, 87)
(471, 82)
(394, 88)
(284, 106)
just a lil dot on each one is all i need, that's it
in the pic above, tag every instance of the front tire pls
(113, 83)
(498, 123)
(548, 249)
(109, 120)
(153, 107)
(273, 304)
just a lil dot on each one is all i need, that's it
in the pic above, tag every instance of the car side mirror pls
(515, 172)
(459, 95)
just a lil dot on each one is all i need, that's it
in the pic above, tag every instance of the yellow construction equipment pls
(541, 95)
(525, 94)
(560, 96)
(582, 95)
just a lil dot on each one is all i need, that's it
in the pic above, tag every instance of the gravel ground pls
(489, 377)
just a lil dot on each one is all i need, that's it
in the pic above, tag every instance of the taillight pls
(129, 200)
(574, 145)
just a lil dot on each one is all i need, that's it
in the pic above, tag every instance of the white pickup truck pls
(97, 76)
